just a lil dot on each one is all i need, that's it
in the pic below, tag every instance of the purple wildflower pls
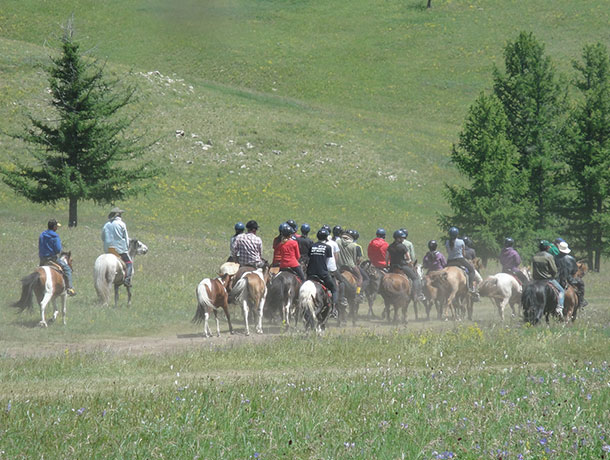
(81, 411)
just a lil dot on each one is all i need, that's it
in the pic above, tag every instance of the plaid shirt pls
(248, 249)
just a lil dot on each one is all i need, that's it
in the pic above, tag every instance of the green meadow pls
(319, 111)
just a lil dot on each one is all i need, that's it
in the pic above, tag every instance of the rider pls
(49, 249)
(544, 268)
(398, 256)
(377, 249)
(510, 261)
(249, 247)
(566, 269)
(363, 274)
(320, 254)
(288, 252)
(434, 260)
(332, 267)
(305, 243)
(276, 242)
(337, 232)
(469, 253)
(293, 225)
(239, 229)
(455, 258)
(116, 241)
(408, 245)
(347, 257)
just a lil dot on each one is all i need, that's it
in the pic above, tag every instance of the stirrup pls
(559, 312)
(127, 283)
(71, 292)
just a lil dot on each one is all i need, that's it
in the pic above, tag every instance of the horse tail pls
(27, 290)
(533, 301)
(103, 278)
(307, 300)
(239, 290)
(204, 303)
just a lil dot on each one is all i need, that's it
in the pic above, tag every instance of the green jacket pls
(348, 252)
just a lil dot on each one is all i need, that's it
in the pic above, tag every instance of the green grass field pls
(323, 112)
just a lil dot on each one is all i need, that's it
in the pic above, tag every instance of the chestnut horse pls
(212, 295)
(570, 305)
(434, 296)
(452, 280)
(47, 282)
(251, 291)
(351, 285)
(395, 289)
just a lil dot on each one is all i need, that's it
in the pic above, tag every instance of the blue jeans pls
(64, 266)
(562, 292)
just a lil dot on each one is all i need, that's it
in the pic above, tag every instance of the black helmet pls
(432, 245)
(355, 235)
(292, 223)
(337, 230)
(326, 227)
(239, 227)
(305, 229)
(399, 234)
(281, 227)
(467, 241)
(508, 242)
(286, 230)
(323, 234)
(454, 232)
(252, 225)
(380, 232)
(405, 231)
(544, 245)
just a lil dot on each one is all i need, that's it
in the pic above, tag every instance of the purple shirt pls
(434, 261)
(510, 259)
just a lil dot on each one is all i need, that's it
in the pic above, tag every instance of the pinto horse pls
(212, 295)
(110, 270)
(452, 280)
(282, 296)
(314, 305)
(47, 282)
(503, 289)
(395, 289)
(251, 291)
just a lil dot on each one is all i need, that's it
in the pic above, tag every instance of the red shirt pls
(288, 253)
(376, 251)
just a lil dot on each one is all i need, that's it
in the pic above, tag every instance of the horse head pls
(137, 248)
(583, 268)
(66, 257)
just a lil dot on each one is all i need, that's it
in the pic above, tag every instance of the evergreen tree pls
(588, 155)
(534, 101)
(495, 204)
(82, 154)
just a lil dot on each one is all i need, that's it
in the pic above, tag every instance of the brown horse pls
(351, 286)
(251, 291)
(395, 289)
(570, 304)
(452, 280)
(434, 296)
(212, 295)
(47, 282)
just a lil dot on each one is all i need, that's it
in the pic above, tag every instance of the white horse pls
(110, 270)
(503, 289)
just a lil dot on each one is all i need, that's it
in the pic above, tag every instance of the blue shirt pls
(458, 249)
(49, 244)
(114, 235)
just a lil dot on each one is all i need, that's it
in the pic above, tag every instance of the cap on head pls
(52, 224)
(467, 241)
(405, 231)
(251, 225)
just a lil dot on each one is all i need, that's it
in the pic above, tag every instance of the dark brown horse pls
(351, 286)
(47, 283)
(395, 289)
(212, 295)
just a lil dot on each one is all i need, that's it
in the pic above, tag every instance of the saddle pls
(55, 266)
(555, 290)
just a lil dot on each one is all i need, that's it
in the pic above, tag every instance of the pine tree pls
(588, 155)
(495, 204)
(534, 102)
(84, 154)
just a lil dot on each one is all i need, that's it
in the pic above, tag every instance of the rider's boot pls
(559, 311)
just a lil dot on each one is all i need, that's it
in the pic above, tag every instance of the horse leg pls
(43, 305)
(55, 310)
(245, 309)
(206, 323)
(469, 306)
(371, 301)
(225, 307)
(217, 323)
(415, 302)
(261, 306)
(64, 301)
(128, 295)
(116, 295)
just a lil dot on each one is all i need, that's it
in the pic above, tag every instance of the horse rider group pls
(115, 241)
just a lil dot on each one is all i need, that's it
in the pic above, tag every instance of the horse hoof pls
(42, 324)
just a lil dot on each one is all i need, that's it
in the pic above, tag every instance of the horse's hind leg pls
(43, 305)
(116, 295)
(217, 323)
(226, 309)
(128, 295)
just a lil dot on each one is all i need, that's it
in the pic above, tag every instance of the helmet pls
(544, 245)
(467, 241)
(323, 234)
(252, 225)
(239, 227)
(508, 242)
(355, 235)
(454, 232)
(432, 245)
(286, 230)
(326, 227)
(305, 228)
(405, 231)
(281, 227)
(292, 224)
(399, 234)
(558, 240)
(380, 233)
(337, 230)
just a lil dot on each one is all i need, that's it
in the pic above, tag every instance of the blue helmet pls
(399, 234)
(305, 228)
(380, 233)
(454, 232)
(323, 234)
(405, 231)
(240, 227)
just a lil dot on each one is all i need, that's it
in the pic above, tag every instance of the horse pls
(434, 296)
(282, 296)
(571, 301)
(314, 305)
(251, 291)
(375, 275)
(539, 298)
(47, 282)
(452, 280)
(212, 295)
(413, 297)
(350, 293)
(504, 289)
(395, 289)
(110, 270)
